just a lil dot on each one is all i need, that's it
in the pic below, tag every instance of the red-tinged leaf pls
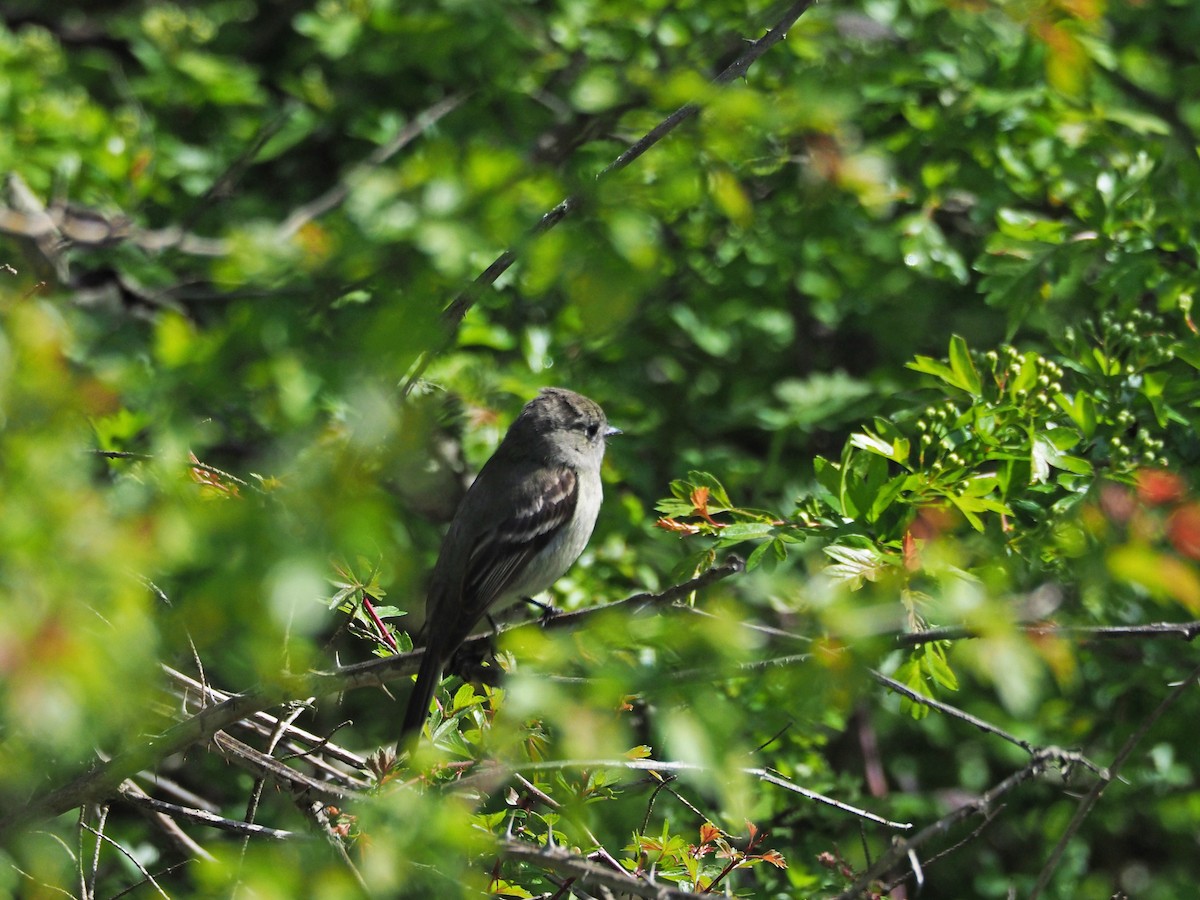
(1183, 530)
(1158, 487)
(775, 858)
(912, 554)
(668, 524)
(752, 828)
(700, 500)
(206, 477)
(709, 833)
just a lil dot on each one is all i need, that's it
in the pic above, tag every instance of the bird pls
(521, 525)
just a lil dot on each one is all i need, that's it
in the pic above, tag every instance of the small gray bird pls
(522, 524)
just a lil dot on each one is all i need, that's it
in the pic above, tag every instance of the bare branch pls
(981, 724)
(181, 839)
(980, 806)
(101, 836)
(1185, 630)
(1092, 796)
(265, 766)
(103, 779)
(204, 817)
(657, 766)
(299, 741)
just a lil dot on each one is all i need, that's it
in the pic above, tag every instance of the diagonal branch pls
(334, 197)
(981, 724)
(204, 817)
(454, 313)
(1089, 801)
(980, 806)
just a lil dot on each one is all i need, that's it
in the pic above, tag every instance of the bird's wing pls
(500, 556)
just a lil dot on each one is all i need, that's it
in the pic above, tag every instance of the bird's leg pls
(470, 663)
(548, 610)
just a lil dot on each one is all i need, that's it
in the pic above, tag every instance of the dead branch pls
(1185, 630)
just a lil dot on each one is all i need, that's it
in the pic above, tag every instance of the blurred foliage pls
(946, 250)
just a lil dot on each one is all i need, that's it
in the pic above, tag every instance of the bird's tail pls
(428, 677)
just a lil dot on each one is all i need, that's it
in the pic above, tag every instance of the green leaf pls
(931, 366)
(888, 443)
(960, 373)
(1082, 410)
(934, 662)
(758, 556)
(964, 366)
(1047, 451)
(856, 565)
(887, 496)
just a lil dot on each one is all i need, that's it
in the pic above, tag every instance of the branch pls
(1089, 801)
(181, 839)
(203, 817)
(583, 871)
(193, 692)
(653, 766)
(53, 227)
(1185, 630)
(332, 198)
(983, 725)
(980, 806)
(454, 313)
(103, 779)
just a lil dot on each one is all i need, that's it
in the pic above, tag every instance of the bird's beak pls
(611, 430)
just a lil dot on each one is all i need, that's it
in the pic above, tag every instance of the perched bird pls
(523, 523)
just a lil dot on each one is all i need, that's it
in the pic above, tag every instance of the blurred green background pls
(202, 261)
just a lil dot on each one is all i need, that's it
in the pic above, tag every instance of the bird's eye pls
(592, 429)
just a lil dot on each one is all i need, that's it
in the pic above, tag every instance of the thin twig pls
(318, 814)
(989, 816)
(204, 817)
(180, 838)
(983, 725)
(102, 780)
(100, 836)
(261, 782)
(658, 766)
(233, 173)
(1092, 796)
(900, 850)
(589, 873)
(133, 887)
